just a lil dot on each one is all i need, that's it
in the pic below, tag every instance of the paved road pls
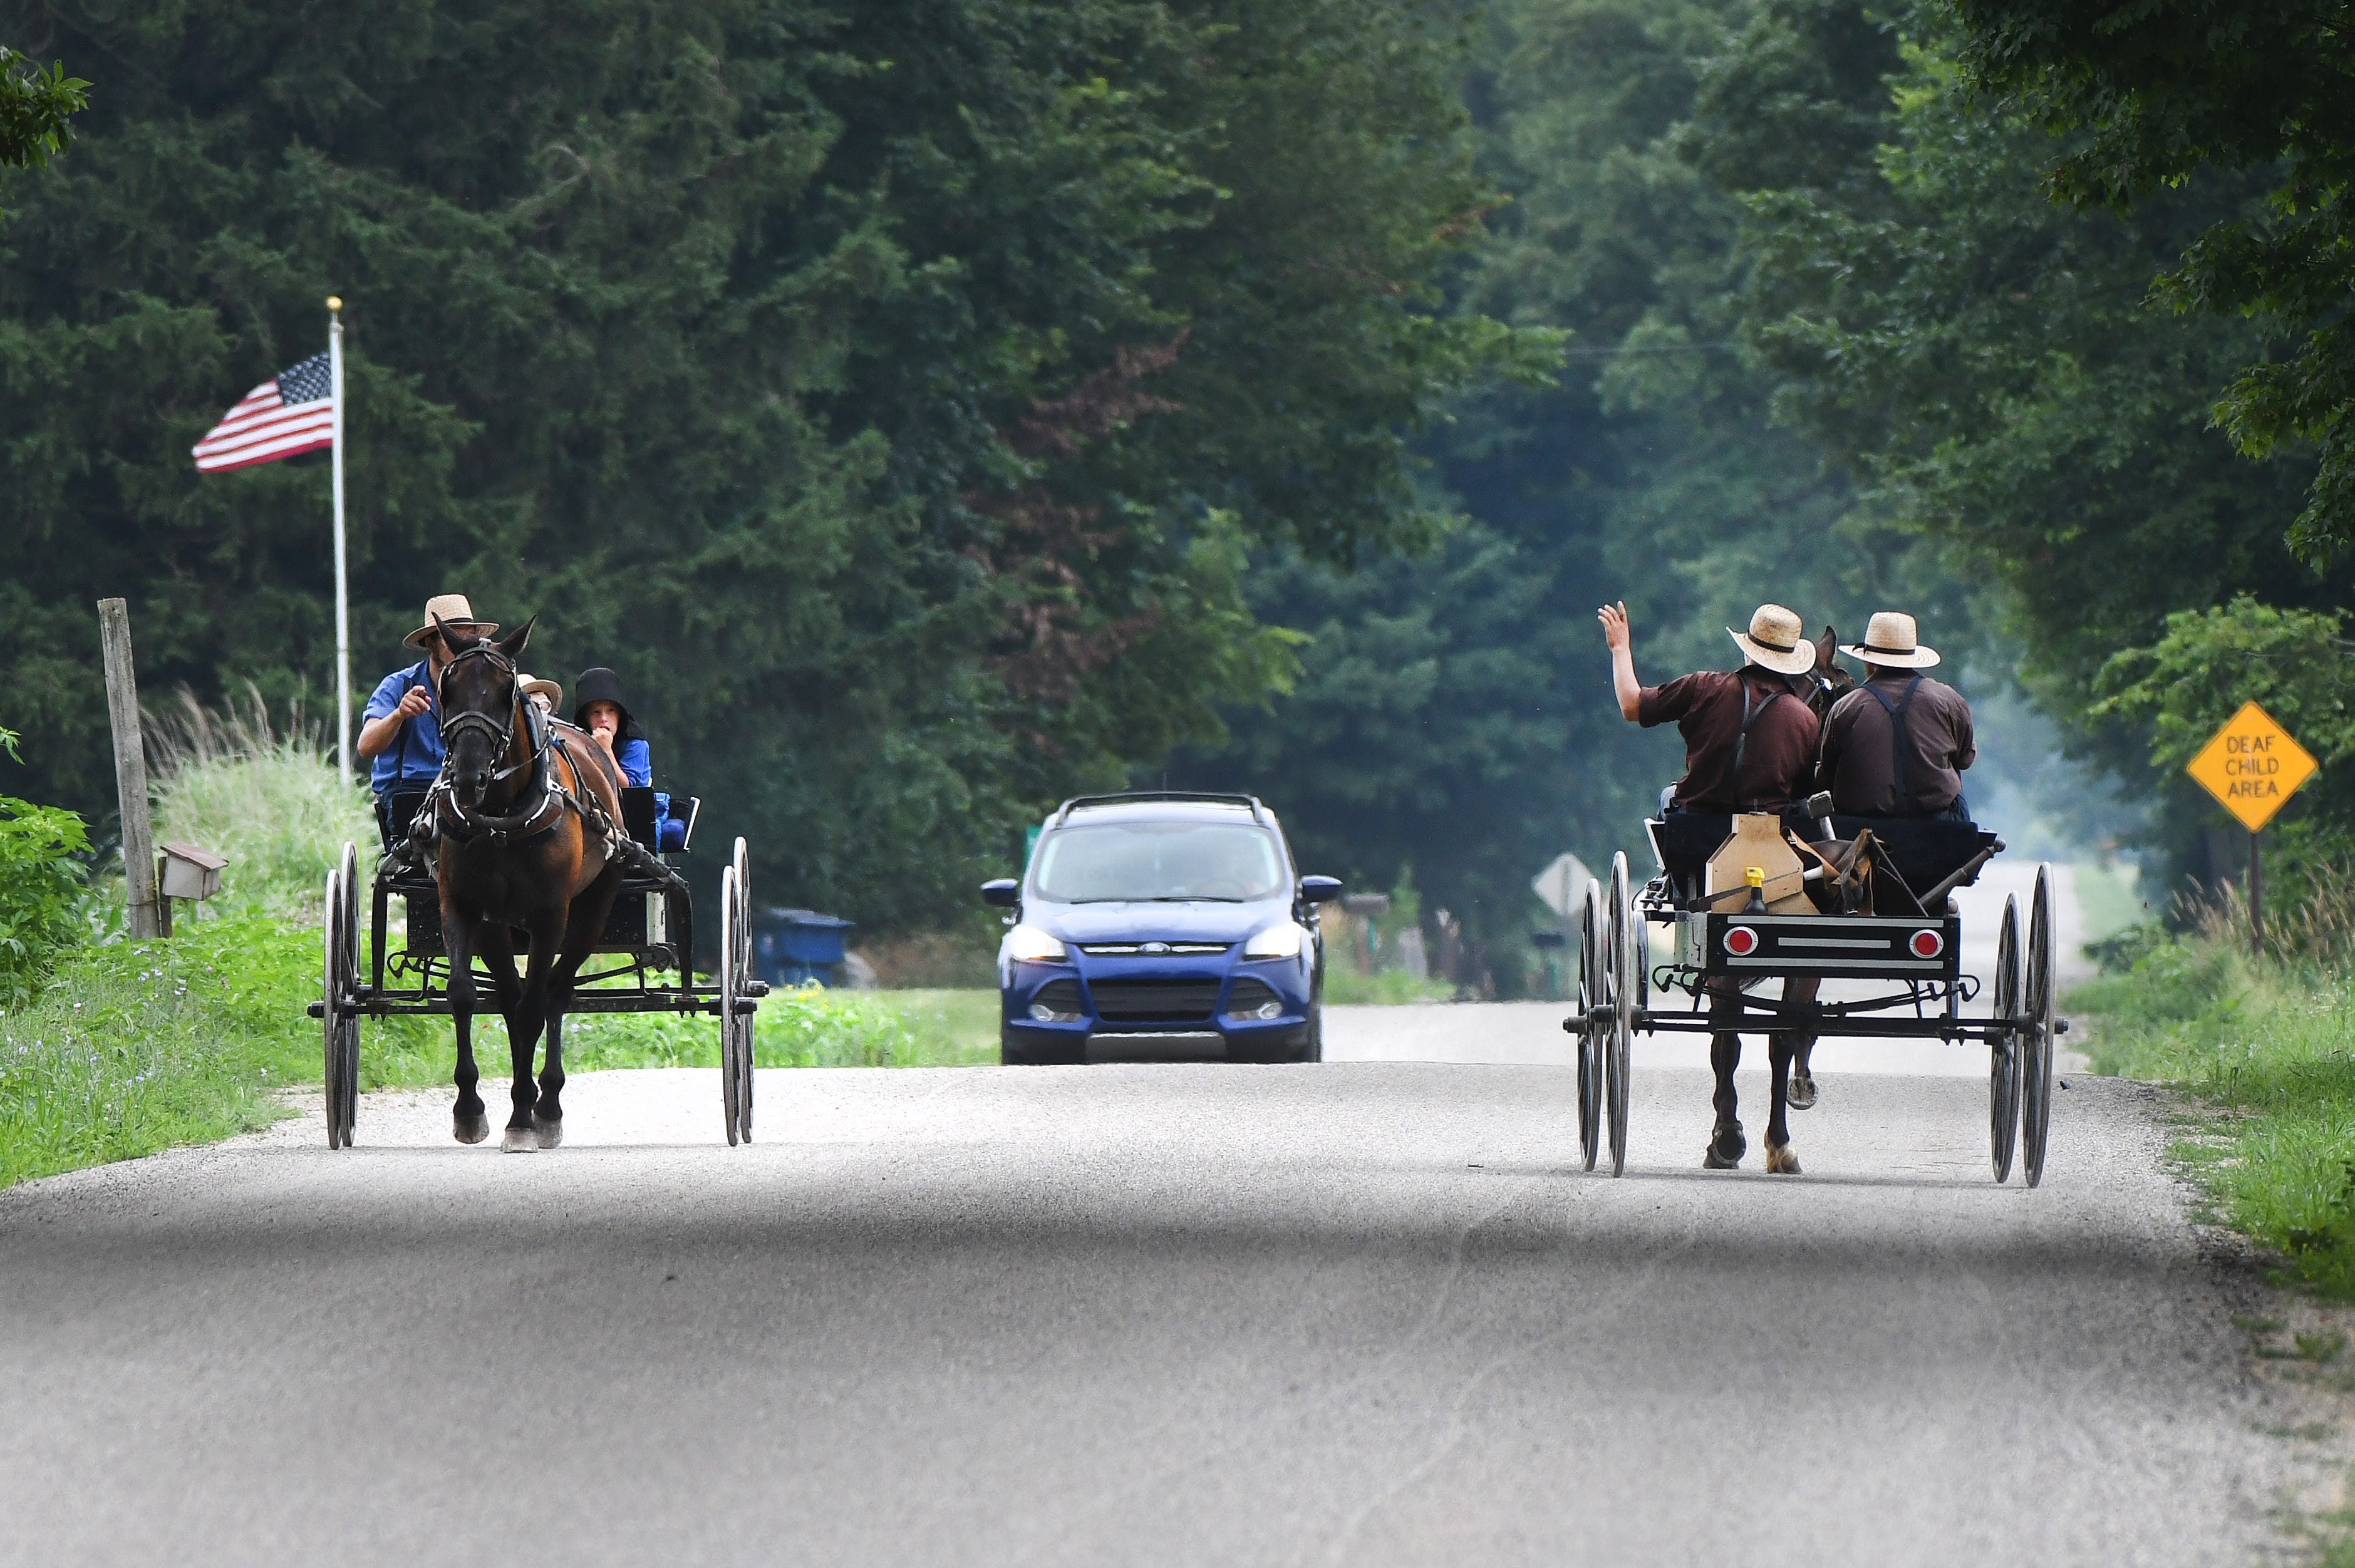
(1365, 1312)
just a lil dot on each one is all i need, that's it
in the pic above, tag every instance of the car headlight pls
(1030, 945)
(1280, 940)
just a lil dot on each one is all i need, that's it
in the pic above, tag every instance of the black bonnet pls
(602, 685)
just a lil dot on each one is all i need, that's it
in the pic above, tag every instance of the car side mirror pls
(1002, 893)
(1320, 889)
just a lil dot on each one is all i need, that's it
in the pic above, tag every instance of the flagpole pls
(343, 599)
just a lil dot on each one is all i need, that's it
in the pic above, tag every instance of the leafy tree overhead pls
(2149, 95)
(35, 108)
(891, 394)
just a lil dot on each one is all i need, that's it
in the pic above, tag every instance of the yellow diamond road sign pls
(2252, 767)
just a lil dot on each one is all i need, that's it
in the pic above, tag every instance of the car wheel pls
(1313, 1049)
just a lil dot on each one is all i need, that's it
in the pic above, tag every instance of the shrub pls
(44, 883)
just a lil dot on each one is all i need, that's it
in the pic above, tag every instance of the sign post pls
(2252, 767)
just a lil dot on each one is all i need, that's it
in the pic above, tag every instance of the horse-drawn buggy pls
(541, 854)
(1806, 897)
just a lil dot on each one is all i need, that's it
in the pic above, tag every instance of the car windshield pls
(1105, 862)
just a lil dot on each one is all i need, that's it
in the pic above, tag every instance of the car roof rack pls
(1135, 796)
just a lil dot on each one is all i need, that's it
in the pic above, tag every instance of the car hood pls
(1149, 922)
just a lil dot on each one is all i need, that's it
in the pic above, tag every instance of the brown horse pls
(525, 813)
(1789, 1048)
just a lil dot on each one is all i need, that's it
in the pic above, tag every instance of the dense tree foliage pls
(892, 393)
(2148, 95)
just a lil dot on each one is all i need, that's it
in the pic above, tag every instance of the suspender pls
(1901, 749)
(1731, 786)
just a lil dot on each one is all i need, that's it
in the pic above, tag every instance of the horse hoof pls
(1780, 1160)
(1726, 1147)
(1802, 1095)
(469, 1128)
(550, 1133)
(519, 1141)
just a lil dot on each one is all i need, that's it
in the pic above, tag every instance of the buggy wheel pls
(729, 903)
(351, 986)
(1617, 1056)
(740, 956)
(1593, 998)
(331, 1021)
(338, 985)
(2036, 1060)
(2003, 1051)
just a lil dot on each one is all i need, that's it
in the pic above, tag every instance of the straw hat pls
(454, 612)
(533, 686)
(1774, 640)
(1889, 639)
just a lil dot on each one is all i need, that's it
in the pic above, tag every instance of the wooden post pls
(2256, 900)
(130, 769)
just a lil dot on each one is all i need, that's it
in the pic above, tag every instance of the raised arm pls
(1624, 684)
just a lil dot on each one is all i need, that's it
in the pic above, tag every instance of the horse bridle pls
(537, 820)
(501, 734)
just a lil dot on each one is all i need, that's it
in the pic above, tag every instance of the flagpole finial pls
(335, 303)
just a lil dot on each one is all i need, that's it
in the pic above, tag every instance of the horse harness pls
(550, 800)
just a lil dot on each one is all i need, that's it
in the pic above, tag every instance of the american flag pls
(294, 413)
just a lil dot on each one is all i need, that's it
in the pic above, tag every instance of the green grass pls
(951, 1028)
(138, 1046)
(1390, 987)
(2267, 1055)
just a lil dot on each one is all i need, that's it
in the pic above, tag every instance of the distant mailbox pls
(191, 873)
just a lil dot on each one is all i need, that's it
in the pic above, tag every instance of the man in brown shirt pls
(1749, 740)
(1897, 745)
(1750, 745)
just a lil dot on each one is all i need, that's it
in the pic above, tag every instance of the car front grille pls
(1153, 950)
(1154, 1000)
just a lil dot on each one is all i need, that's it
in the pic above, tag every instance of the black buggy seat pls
(1925, 850)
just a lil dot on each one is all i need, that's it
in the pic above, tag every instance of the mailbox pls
(191, 873)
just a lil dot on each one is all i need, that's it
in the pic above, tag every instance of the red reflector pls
(1740, 941)
(1928, 944)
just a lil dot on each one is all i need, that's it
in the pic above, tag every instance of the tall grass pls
(266, 796)
(2265, 1047)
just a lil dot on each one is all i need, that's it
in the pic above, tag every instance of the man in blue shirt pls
(401, 729)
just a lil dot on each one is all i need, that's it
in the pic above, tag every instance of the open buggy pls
(1758, 897)
(642, 964)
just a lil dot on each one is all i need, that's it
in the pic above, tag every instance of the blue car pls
(1161, 924)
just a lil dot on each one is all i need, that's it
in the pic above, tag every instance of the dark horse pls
(1789, 1048)
(524, 813)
